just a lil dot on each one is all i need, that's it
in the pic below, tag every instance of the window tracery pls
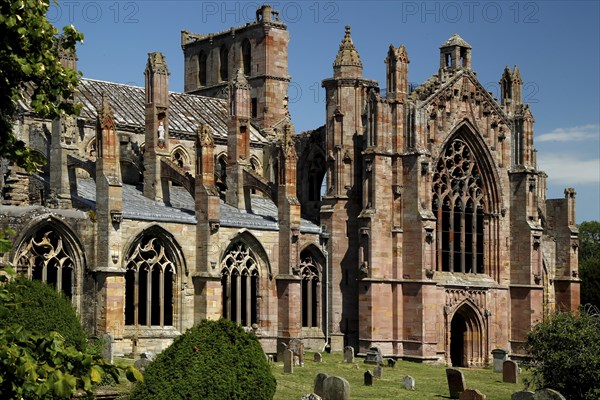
(149, 283)
(309, 272)
(45, 256)
(458, 204)
(239, 279)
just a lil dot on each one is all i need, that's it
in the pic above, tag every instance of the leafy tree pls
(215, 360)
(565, 353)
(38, 307)
(29, 60)
(589, 262)
(43, 365)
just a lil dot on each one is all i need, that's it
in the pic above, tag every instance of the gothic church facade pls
(432, 239)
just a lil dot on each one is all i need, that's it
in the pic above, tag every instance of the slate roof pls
(187, 111)
(138, 207)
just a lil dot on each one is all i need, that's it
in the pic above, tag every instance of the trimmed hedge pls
(39, 308)
(215, 360)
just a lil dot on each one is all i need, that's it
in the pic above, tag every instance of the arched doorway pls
(466, 338)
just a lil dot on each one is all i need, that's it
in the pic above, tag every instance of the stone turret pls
(511, 87)
(347, 62)
(397, 73)
(455, 54)
(157, 126)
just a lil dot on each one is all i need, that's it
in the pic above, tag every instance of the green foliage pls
(565, 353)
(5, 240)
(29, 58)
(212, 361)
(43, 365)
(589, 262)
(40, 308)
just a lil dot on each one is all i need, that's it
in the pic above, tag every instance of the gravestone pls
(510, 372)
(522, 395)
(548, 394)
(311, 396)
(391, 363)
(374, 356)
(336, 388)
(377, 372)
(500, 355)
(319, 379)
(297, 347)
(472, 394)
(349, 354)
(456, 382)
(368, 377)
(318, 357)
(142, 363)
(107, 353)
(408, 382)
(288, 361)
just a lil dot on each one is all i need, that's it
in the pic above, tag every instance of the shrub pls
(212, 361)
(39, 308)
(565, 353)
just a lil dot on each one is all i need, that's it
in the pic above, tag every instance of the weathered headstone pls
(391, 363)
(336, 388)
(107, 353)
(500, 355)
(472, 394)
(297, 347)
(349, 354)
(288, 361)
(374, 356)
(319, 379)
(522, 395)
(318, 357)
(368, 377)
(456, 382)
(510, 372)
(311, 396)
(408, 382)
(142, 363)
(548, 394)
(377, 371)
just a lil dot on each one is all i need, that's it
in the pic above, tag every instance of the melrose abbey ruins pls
(414, 220)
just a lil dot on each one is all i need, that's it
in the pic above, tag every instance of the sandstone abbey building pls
(414, 220)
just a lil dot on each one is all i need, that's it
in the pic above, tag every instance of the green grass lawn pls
(430, 380)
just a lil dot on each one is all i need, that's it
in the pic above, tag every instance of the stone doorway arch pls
(466, 332)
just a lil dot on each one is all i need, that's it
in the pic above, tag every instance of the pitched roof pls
(455, 40)
(187, 111)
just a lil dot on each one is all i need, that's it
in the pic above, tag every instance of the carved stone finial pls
(239, 79)
(106, 119)
(288, 144)
(205, 137)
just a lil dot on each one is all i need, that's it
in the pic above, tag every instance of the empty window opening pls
(239, 281)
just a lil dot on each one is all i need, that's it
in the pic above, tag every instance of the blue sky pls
(556, 45)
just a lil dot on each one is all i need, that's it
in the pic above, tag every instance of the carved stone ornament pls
(205, 137)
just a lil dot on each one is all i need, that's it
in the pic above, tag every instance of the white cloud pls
(573, 134)
(568, 168)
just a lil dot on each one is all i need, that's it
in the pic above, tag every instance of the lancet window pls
(239, 279)
(149, 283)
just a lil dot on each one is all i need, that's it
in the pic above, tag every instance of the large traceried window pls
(46, 256)
(149, 283)
(239, 279)
(458, 203)
(309, 272)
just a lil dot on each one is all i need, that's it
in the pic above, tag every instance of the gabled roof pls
(187, 111)
(455, 40)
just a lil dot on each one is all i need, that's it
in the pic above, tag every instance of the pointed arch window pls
(221, 173)
(149, 283)
(311, 290)
(239, 280)
(46, 256)
(458, 203)
(224, 63)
